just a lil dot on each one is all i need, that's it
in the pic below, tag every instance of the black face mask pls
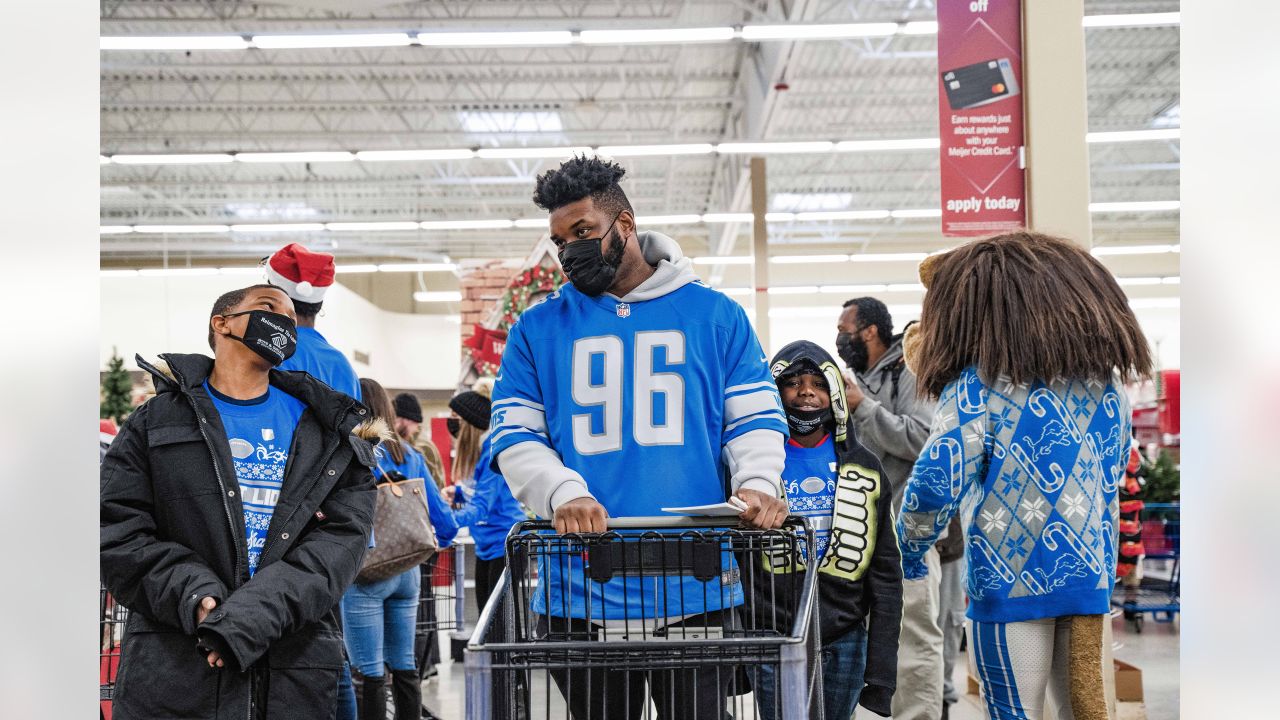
(803, 422)
(274, 337)
(454, 425)
(588, 268)
(853, 351)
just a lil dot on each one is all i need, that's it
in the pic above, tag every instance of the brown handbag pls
(403, 535)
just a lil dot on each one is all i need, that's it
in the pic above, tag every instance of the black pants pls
(598, 694)
(488, 572)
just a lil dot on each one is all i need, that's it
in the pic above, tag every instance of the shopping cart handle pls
(660, 522)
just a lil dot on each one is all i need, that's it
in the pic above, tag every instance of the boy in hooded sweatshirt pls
(838, 485)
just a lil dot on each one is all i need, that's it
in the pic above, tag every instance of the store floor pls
(1154, 651)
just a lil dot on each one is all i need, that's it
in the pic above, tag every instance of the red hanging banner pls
(980, 116)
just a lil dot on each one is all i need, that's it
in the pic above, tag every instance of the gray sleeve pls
(539, 479)
(900, 431)
(755, 460)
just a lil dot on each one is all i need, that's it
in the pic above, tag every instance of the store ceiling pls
(355, 99)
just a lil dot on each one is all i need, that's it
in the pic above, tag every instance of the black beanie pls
(408, 407)
(472, 407)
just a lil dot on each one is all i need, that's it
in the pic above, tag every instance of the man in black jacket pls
(236, 506)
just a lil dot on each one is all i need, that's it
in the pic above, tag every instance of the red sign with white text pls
(980, 116)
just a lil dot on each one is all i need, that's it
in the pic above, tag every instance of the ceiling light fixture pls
(665, 36)
(1105, 250)
(494, 39)
(1133, 135)
(337, 40)
(301, 157)
(1142, 206)
(278, 227)
(417, 267)
(438, 296)
(829, 31)
(1133, 20)
(181, 159)
(173, 42)
(175, 229)
(400, 155)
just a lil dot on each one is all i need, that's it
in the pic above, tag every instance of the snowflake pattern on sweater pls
(1033, 469)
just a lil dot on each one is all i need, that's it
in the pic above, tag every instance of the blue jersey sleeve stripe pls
(755, 386)
(513, 416)
(773, 415)
(517, 401)
(520, 434)
(761, 422)
(740, 406)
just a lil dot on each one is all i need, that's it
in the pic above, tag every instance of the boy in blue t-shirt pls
(838, 486)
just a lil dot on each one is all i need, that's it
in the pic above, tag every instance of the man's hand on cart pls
(580, 515)
(763, 511)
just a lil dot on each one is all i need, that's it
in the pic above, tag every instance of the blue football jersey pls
(640, 399)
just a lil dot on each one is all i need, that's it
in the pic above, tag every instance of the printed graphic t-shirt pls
(810, 481)
(260, 432)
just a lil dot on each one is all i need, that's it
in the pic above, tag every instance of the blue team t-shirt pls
(260, 433)
(322, 361)
(809, 478)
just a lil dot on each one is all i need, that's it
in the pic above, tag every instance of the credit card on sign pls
(980, 83)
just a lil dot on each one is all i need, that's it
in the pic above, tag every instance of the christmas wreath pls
(515, 300)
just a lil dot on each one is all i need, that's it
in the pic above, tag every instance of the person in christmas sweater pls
(1026, 340)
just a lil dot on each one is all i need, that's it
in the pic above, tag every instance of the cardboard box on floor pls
(1128, 682)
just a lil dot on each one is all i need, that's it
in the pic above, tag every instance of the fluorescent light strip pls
(183, 159)
(438, 296)
(1133, 135)
(664, 36)
(808, 259)
(724, 260)
(341, 269)
(709, 218)
(370, 226)
(818, 311)
(669, 219)
(1152, 303)
(1133, 20)
(397, 155)
(279, 227)
(564, 151)
(173, 42)
(831, 31)
(1105, 250)
(494, 39)
(658, 150)
(888, 257)
(794, 290)
(417, 267)
(177, 272)
(337, 40)
(480, 39)
(1144, 206)
(302, 157)
(175, 229)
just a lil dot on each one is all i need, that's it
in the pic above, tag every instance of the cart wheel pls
(1137, 623)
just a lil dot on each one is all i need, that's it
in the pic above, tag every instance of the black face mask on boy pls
(273, 336)
(588, 268)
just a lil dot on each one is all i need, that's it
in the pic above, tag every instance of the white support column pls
(760, 250)
(1057, 118)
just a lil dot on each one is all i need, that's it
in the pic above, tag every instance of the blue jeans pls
(378, 622)
(346, 694)
(844, 661)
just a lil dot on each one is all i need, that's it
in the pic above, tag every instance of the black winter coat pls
(172, 532)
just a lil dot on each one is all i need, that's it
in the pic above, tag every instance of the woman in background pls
(379, 618)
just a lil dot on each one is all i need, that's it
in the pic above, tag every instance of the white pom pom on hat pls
(304, 288)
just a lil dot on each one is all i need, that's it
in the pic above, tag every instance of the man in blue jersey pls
(305, 276)
(634, 388)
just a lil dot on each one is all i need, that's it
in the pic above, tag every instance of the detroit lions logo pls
(1054, 434)
(1067, 567)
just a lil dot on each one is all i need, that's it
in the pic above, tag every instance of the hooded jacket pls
(538, 477)
(892, 420)
(172, 532)
(860, 576)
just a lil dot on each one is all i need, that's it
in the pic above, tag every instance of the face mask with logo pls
(803, 422)
(590, 271)
(273, 336)
(454, 425)
(853, 351)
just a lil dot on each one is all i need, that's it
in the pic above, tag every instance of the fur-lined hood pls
(186, 374)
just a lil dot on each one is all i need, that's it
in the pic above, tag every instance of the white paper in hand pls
(732, 508)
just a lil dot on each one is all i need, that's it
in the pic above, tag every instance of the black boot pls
(373, 698)
(406, 691)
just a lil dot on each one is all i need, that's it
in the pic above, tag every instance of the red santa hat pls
(302, 274)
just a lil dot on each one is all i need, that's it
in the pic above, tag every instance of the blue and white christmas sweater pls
(1033, 470)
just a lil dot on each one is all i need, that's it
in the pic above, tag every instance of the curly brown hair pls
(1025, 306)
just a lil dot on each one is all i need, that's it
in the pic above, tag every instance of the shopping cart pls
(526, 656)
(111, 620)
(440, 609)
(1159, 591)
